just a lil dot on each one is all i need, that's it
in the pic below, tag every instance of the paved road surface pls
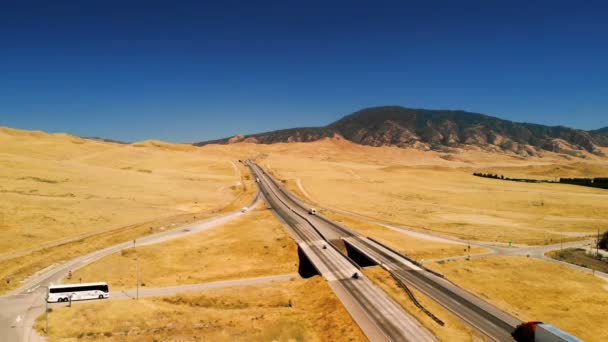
(37, 307)
(19, 308)
(496, 249)
(378, 316)
(485, 318)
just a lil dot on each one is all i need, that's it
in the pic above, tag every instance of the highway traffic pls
(480, 315)
(378, 316)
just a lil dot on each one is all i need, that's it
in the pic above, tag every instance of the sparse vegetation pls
(580, 257)
(299, 310)
(601, 183)
(603, 243)
(15, 269)
(415, 248)
(598, 182)
(254, 245)
(536, 290)
(423, 191)
(59, 199)
(502, 177)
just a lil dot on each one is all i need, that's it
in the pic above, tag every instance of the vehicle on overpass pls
(67, 292)
(541, 332)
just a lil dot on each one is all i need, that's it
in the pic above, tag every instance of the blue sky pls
(188, 71)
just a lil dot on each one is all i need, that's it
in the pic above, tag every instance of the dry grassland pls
(414, 248)
(580, 257)
(58, 186)
(61, 196)
(298, 310)
(434, 193)
(254, 245)
(21, 267)
(531, 289)
(453, 330)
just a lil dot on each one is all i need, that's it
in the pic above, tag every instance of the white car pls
(243, 209)
(312, 211)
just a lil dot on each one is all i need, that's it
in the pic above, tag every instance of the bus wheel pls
(100, 296)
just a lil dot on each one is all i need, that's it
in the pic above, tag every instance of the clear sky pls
(188, 71)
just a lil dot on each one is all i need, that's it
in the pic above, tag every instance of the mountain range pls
(438, 130)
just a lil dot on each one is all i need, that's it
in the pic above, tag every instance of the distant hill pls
(437, 130)
(106, 140)
(603, 131)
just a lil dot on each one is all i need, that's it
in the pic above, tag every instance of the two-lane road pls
(20, 307)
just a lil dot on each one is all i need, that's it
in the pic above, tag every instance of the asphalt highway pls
(483, 317)
(378, 316)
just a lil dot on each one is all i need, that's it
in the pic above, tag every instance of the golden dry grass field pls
(253, 245)
(58, 186)
(536, 290)
(62, 196)
(415, 248)
(435, 192)
(298, 310)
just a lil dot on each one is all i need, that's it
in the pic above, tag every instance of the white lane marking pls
(33, 288)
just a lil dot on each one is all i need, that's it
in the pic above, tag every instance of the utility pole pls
(136, 272)
(469, 247)
(46, 316)
(137, 293)
(597, 244)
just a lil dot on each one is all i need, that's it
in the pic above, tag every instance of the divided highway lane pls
(19, 308)
(483, 317)
(378, 316)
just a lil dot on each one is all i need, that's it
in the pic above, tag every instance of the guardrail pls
(400, 283)
(407, 258)
(414, 300)
(315, 228)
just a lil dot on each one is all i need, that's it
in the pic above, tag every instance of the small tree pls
(603, 244)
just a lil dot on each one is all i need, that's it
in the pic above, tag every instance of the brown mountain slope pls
(438, 130)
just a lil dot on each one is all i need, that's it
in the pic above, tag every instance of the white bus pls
(62, 293)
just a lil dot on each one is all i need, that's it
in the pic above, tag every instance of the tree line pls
(598, 182)
(496, 176)
(603, 242)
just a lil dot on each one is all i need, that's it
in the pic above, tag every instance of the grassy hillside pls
(436, 192)
(54, 187)
(439, 130)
